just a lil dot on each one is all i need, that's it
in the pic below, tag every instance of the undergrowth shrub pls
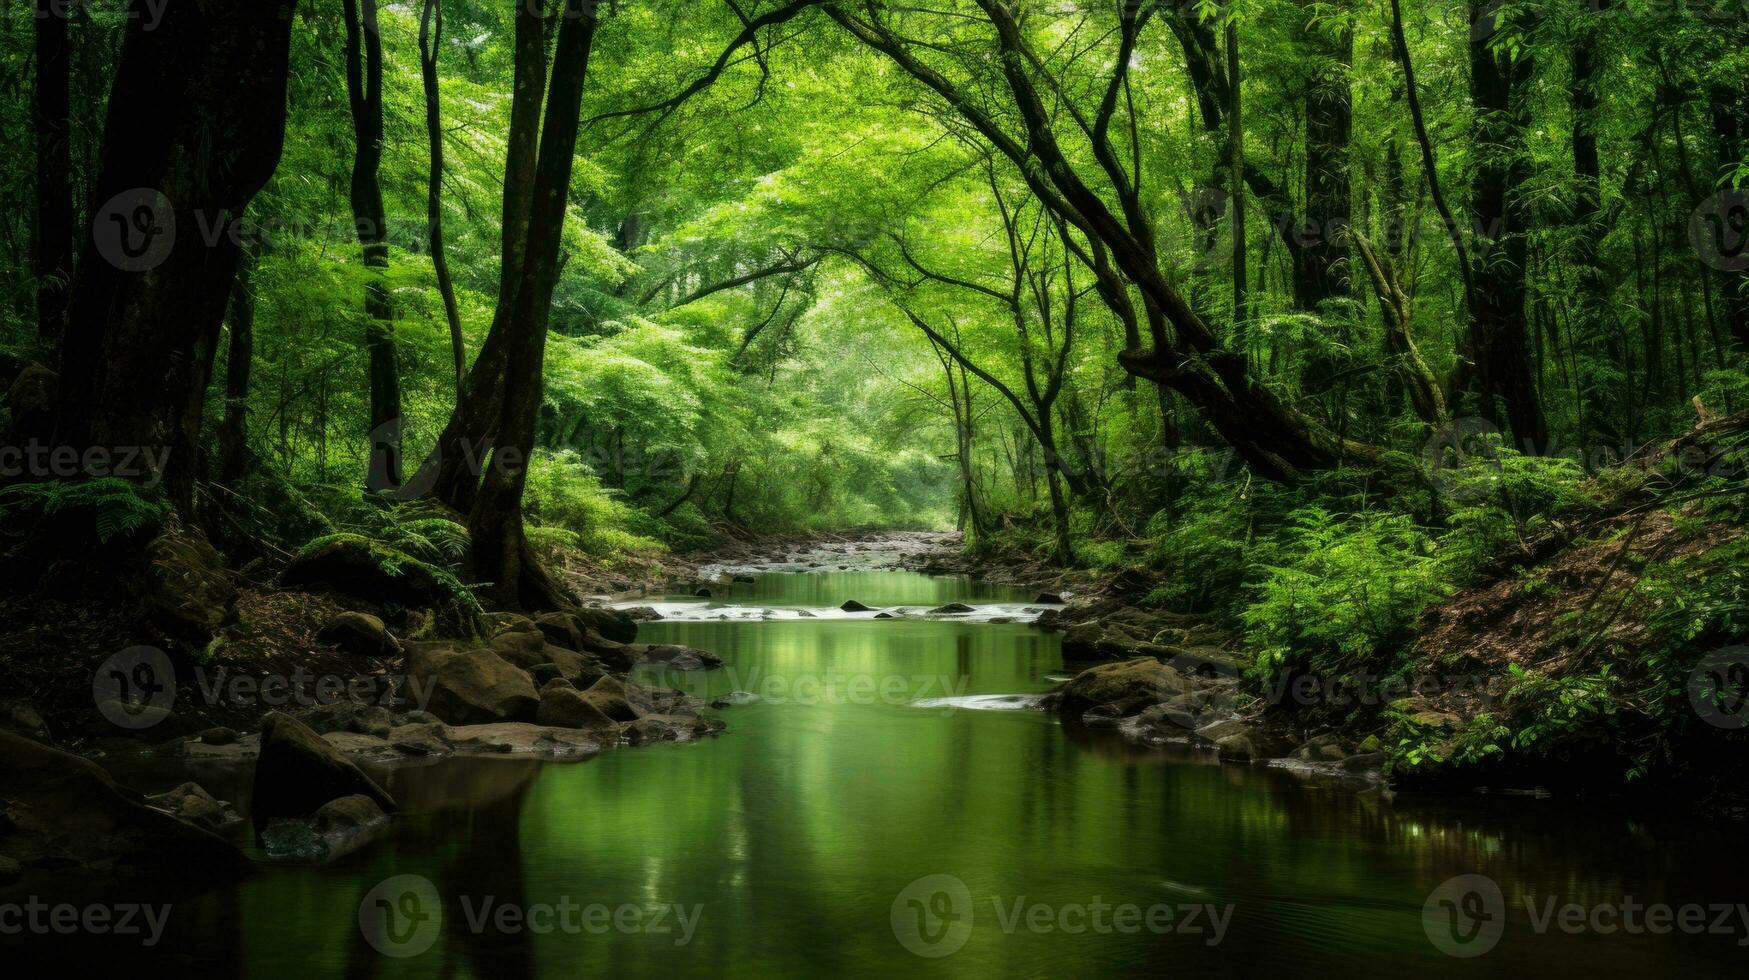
(1340, 592)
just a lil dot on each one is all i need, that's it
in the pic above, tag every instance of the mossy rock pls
(355, 566)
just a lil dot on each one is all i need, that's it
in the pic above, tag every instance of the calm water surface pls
(794, 840)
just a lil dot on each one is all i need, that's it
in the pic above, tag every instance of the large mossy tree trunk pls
(500, 552)
(195, 126)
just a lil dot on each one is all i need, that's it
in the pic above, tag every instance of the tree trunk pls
(1730, 117)
(430, 38)
(364, 87)
(500, 551)
(195, 125)
(234, 427)
(1600, 411)
(1320, 265)
(1236, 160)
(53, 242)
(1280, 442)
(454, 467)
(1425, 394)
(1499, 89)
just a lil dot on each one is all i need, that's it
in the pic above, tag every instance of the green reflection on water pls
(873, 589)
(794, 833)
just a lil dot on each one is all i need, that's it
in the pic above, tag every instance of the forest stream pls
(886, 791)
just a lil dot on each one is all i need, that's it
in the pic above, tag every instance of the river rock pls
(612, 624)
(21, 718)
(951, 609)
(360, 634)
(1322, 748)
(610, 696)
(851, 605)
(1251, 745)
(195, 805)
(529, 651)
(298, 771)
(219, 735)
(347, 716)
(670, 728)
(678, 657)
(474, 686)
(499, 623)
(563, 706)
(1142, 681)
(353, 565)
(561, 629)
(61, 809)
(1214, 731)
(1364, 762)
(189, 590)
(348, 824)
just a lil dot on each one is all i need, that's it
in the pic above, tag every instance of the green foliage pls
(110, 506)
(1501, 500)
(1339, 591)
(569, 508)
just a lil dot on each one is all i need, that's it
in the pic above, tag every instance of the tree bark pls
(430, 39)
(1320, 265)
(1425, 394)
(454, 467)
(196, 117)
(234, 426)
(364, 88)
(53, 243)
(1499, 89)
(500, 552)
(1236, 160)
(1730, 118)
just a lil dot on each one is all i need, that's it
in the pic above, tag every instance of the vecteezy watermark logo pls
(38, 917)
(135, 687)
(1450, 452)
(1719, 688)
(39, 461)
(402, 916)
(932, 916)
(135, 230)
(1465, 916)
(1719, 230)
(398, 432)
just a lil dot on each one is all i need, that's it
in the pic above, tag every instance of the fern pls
(116, 507)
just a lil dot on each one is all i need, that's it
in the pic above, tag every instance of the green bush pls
(1344, 592)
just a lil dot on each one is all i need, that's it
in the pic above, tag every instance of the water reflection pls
(794, 833)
